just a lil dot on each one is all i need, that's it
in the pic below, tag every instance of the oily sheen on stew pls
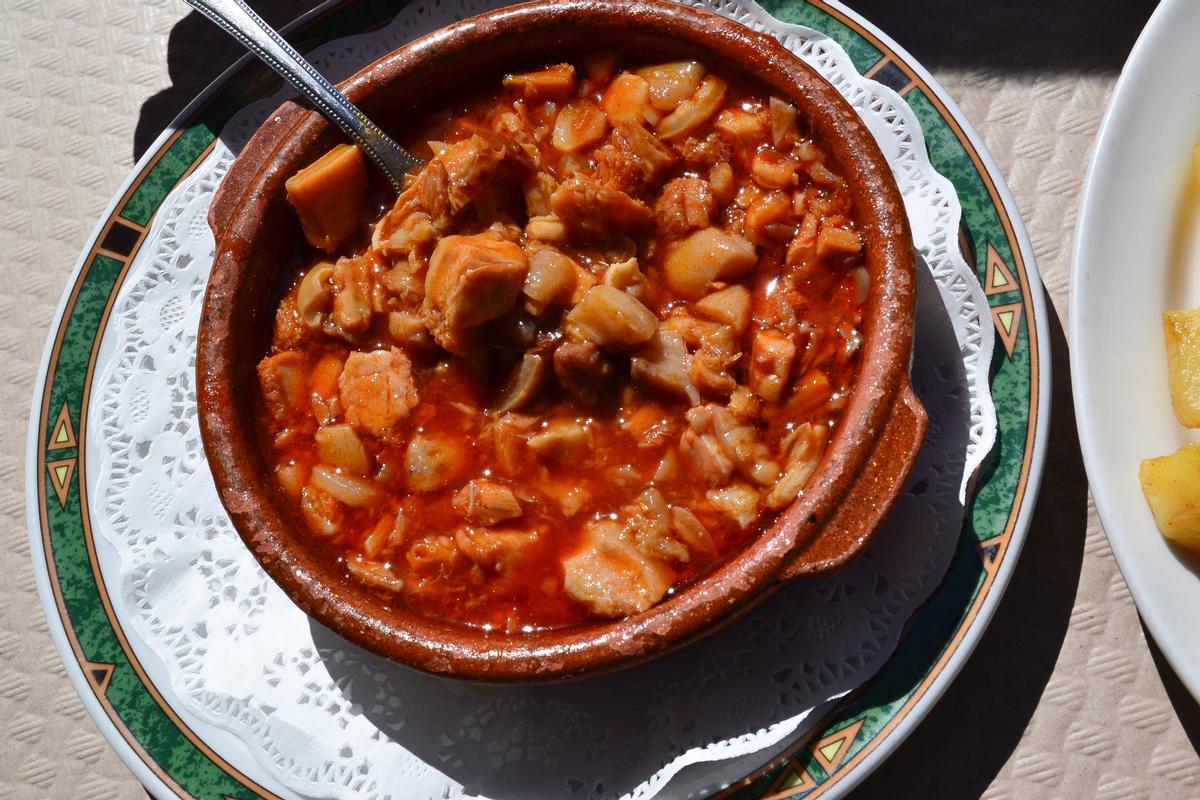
(597, 344)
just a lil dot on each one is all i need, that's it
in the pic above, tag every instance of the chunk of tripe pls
(610, 318)
(1172, 488)
(377, 391)
(433, 462)
(703, 257)
(730, 305)
(1181, 330)
(611, 576)
(282, 380)
(486, 502)
(471, 279)
(328, 196)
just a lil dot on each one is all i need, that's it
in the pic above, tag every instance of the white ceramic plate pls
(1137, 254)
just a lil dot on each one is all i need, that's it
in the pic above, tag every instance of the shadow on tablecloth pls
(1013, 36)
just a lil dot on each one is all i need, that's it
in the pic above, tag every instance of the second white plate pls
(1136, 256)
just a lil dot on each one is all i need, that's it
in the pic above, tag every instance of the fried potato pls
(1181, 329)
(1172, 488)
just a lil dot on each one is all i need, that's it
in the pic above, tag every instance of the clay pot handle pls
(872, 495)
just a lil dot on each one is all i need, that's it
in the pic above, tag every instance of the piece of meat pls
(770, 218)
(292, 477)
(835, 241)
(433, 462)
(744, 129)
(730, 306)
(469, 165)
(313, 294)
(537, 191)
(737, 441)
(650, 425)
(353, 287)
(738, 500)
(703, 452)
(773, 170)
(627, 99)
(377, 391)
(596, 210)
(510, 436)
(563, 440)
(704, 256)
(610, 576)
(290, 329)
(551, 277)
(583, 371)
(740, 442)
(671, 83)
(569, 495)
(520, 144)
(783, 122)
(632, 158)
(744, 405)
(471, 279)
(408, 329)
(693, 112)
(389, 533)
(524, 382)
(802, 250)
(500, 551)
(718, 351)
(433, 555)
(343, 486)
(771, 358)
(684, 204)
(807, 447)
(705, 153)
(628, 277)
(323, 388)
(688, 527)
(650, 524)
(610, 318)
(374, 574)
(450, 181)
(579, 124)
(339, 446)
(546, 228)
(486, 502)
(284, 386)
(409, 225)
(663, 363)
(721, 178)
(323, 514)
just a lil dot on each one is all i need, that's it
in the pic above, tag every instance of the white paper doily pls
(329, 720)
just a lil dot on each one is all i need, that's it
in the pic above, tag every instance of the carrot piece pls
(552, 83)
(328, 196)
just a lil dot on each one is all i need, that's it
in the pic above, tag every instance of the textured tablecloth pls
(1064, 697)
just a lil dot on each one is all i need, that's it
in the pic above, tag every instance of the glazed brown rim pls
(249, 201)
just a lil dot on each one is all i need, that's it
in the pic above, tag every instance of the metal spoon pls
(239, 21)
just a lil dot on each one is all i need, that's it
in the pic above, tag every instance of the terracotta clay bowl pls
(861, 473)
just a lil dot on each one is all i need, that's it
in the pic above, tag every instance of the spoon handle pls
(239, 20)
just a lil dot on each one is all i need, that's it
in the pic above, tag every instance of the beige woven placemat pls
(1063, 699)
